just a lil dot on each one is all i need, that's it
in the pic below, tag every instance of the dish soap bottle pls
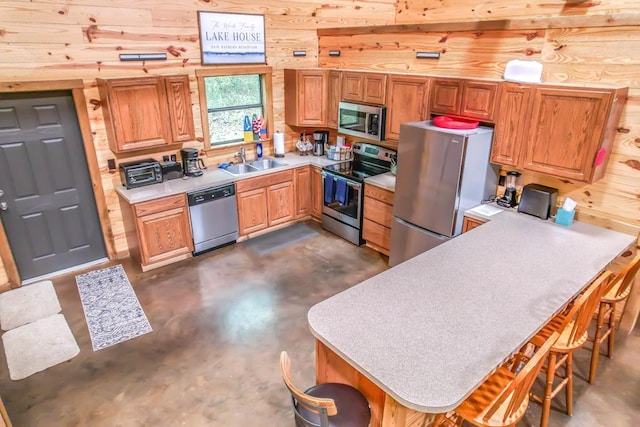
(259, 150)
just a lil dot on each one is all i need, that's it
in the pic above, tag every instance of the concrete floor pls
(220, 321)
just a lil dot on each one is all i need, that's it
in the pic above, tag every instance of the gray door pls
(50, 215)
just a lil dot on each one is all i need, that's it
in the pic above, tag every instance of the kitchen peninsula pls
(419, 338)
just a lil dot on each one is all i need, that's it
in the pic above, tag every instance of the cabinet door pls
(165, 234)
(135, 113)
(306, 97)
(303, 191)
(180, 111)
(446, 96)
(252, 211)
(334, 96)
(375, 86)
(406, 102)
(567, 126)
(470, 224)
(352, 86)
(512, 121)
(479, 100)
(280, 201)
(376, 235)
(317, 193)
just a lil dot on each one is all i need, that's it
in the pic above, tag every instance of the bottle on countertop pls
(259, 150)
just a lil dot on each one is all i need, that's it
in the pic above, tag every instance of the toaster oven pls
(140, 173)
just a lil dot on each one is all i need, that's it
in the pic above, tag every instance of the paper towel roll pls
(278, 144)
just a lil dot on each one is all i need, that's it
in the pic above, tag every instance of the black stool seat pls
(353, 408)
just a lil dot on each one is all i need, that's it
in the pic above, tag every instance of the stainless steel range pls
(343, 192)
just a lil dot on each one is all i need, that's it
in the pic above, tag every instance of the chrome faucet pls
(241, 154)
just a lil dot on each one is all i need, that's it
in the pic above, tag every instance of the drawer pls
(264, 181)
(381, 194)
(377, 234)
(377, 211)
(159, 205)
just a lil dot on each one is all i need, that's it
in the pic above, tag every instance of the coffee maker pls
(320, 138)
(512, 185)
(192, 165)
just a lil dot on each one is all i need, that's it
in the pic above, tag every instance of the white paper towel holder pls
(278, 144)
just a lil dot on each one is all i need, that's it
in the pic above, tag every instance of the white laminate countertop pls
(385, 180)
(428, 331)
(210, 178)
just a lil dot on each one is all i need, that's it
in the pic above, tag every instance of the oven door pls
(350, 212)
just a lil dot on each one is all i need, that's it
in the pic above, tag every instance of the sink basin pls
(267, 164)
(240, 168)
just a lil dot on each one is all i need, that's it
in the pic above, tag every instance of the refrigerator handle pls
(422, 230)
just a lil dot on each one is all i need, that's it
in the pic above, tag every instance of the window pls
(227, 96)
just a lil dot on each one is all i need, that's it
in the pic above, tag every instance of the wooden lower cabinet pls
(280, 202)
(302, 177)
(378, 215)
(470, 223)
(273, 199)
(158, 231)
(317, 193)
(252, 211)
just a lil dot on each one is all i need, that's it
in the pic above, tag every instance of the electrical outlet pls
(111, 164)
(501, 180)
(165, 158)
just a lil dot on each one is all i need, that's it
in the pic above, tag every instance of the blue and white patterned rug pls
(111, 308)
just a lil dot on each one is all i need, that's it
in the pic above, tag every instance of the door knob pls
(3, 206)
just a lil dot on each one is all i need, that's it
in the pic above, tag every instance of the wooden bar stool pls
(502, 399)
(617, 292)
(572, 327)
(326, 405)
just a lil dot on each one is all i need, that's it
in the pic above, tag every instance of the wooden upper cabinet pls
(468, 98)
(135, 112)
(147, 112)
(364, 87)
(407, 101)
(567, 130)
(479, 100)
(512, 120)
(180, 110)
(305, 97)
(446, 96)
(334, 96)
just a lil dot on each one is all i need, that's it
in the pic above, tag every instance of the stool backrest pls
(626, 276)
(321, 406)
(579, 317)
(519, 388)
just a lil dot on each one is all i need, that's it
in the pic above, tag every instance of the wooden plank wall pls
(69, 39)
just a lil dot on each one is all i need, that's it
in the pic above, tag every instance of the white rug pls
(27, 304)
(111, 308)
(39, 345)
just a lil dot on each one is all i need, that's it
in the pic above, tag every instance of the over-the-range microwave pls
(362, 120)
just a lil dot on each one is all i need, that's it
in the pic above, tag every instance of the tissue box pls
(565, 217)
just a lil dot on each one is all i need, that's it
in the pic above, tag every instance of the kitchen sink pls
(240, 168)
(267, 164)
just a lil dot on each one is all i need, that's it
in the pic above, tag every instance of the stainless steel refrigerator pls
(441, 173)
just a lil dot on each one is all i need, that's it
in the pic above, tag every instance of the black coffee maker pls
(192, 165)
(320, 138)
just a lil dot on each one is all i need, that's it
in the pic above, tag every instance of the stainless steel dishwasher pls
(214, 217)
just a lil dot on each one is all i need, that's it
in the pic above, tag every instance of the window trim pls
(267, 99)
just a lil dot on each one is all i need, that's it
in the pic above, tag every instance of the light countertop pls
(385, 180)
(428, 331)
(210, 178)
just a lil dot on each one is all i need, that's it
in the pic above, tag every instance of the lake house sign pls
(231, 38)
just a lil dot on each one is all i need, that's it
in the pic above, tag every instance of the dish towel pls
(329, 189)
(342, 191)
